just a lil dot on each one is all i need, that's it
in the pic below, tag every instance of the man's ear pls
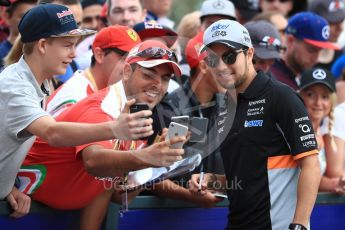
(127, 72)
(250, 53)
(203, 68)
(98, 53)
(290, 39)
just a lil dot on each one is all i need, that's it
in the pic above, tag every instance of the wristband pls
(294, 226)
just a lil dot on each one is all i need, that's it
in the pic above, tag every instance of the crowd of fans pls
(127, 51)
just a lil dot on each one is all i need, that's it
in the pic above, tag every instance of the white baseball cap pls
(227, 32)
(218, 7)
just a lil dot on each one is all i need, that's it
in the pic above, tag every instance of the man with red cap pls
(200, 97)
(82, 177)
(109, 48)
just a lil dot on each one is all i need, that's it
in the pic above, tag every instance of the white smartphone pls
(176, 129)
(183, 120)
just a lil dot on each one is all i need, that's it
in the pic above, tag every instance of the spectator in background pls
(12, 15)
(188, 28)
(282, 6)
(159, 10)
(3, 26)
(109, 48)
(155, 31)
(266, 42)
(125, 12)
(339, 130)
(306, 34)
(245, 10)
(91, 14)
(334, 12)
(277, 19)
(119, 12)
(15, 53)
(214, 10)
(317, 90)
(338, 70)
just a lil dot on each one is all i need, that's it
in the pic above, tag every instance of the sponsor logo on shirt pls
(307, 137)
(262, 101)
(298, 120)
(220, 130)
(223, 113)
(221, 122)
(255, 111)
(305, 128)
(253, 123)
(309, 144)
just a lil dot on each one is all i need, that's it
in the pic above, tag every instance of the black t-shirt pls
(271, 130)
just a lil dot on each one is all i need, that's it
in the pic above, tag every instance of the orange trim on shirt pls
(280, 162)
(312, 152)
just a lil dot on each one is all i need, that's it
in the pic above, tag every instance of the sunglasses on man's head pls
(156, 52)
(229, 58)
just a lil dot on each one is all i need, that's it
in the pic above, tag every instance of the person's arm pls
(168, 189)
(126, 127)
(334, 156)
(100, 161)
(19, 202)
(333, 185)
(308, 184)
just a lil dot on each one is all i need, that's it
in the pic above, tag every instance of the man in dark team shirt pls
(270, 158)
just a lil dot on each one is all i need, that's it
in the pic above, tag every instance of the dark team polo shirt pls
(283, 74)
(270, 131)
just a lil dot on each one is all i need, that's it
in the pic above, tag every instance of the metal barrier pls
(149, 212)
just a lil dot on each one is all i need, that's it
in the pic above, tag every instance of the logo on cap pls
(64, 13)
(319, 74)
(132, 34)
(336, 5)
(271, 41)
(218, 5)
(325, 32)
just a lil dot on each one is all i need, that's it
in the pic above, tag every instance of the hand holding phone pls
(138, 107)
(176, 129)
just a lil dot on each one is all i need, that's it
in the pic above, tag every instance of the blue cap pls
(49, 20)
(312, 29)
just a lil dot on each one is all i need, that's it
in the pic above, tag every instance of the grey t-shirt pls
(20, 104)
